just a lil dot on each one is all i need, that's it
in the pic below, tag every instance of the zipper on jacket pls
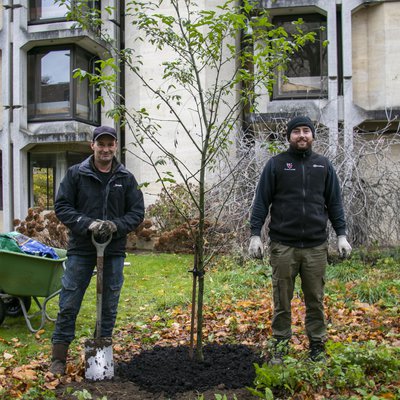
(107, 192)
(304, 199)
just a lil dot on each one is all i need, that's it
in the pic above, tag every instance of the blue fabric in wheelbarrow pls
(19, 243)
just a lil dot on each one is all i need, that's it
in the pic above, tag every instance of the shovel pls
(99, 364)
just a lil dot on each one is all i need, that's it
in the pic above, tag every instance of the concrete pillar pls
(349, 114)
(6, 141)
(331, 118)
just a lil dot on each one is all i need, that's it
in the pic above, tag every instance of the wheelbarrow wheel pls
(2, 311)
(13, 306)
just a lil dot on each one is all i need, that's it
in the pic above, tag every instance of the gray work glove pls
(107, 228)
(343, 246)
(95, 226)
(256, 249)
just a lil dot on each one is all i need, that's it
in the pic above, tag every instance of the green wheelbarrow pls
(22, 277)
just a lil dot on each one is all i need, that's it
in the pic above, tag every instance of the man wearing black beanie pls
(300, 190)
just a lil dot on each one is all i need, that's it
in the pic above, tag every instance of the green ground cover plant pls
(351, 367)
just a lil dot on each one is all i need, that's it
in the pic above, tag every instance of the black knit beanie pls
(299, 121)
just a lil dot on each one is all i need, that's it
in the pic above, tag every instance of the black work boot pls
(317, 351)
(59, 358)
(280, 349)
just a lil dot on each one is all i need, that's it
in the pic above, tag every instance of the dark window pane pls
(83, 104)
(307, 71)
(52, 93)
(75, 158)
(86, 94)
(32, 87)
(49, 84)
(53, 97)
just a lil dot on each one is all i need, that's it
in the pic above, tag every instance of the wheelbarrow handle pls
(100, 247)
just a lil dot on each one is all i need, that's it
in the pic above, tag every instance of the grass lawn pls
(152, 282)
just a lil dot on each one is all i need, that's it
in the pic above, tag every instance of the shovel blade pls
(99, 363)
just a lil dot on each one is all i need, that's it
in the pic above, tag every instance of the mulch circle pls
(171, 371)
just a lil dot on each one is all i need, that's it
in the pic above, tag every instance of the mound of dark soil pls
(167, 373)
(170, 370)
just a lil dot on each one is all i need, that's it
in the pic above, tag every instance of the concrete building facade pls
(348, 78)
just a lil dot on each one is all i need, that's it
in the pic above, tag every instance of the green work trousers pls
(310, 263)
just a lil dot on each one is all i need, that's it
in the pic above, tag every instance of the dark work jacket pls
(83, 198)
(301, 191)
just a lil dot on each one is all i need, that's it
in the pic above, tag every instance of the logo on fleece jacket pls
(289, 167)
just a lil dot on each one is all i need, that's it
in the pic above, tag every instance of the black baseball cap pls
(104, 130)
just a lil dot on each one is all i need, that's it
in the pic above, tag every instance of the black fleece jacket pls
(301, 191)
(83, 198)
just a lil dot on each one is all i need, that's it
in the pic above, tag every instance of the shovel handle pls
(100, 247)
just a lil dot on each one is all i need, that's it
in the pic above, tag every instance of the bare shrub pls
(146, 231)
(44, 227)
(370, 190)
(371, 196)
(180, 239)
(173, 207)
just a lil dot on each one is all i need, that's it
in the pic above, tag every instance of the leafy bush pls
(349, 367)
(173, 207)
(175, 215)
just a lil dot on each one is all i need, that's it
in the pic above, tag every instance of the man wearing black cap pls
(102, 197)
(300, 190)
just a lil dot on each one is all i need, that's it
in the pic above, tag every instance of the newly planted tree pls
(211, 64)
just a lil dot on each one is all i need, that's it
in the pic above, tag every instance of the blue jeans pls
(76, 278)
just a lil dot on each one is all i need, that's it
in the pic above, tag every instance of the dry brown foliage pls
(44, 227)
(145, 231)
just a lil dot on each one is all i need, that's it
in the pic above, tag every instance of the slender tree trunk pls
(199, 344)
(194, 296)
(200, 264)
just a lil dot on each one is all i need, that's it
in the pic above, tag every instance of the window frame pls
(277, 94)
(48, 159)
(45, 161)
(75, 50)
(36, 4)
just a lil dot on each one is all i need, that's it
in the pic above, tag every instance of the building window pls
(44, 11)
(306, 75)
(42, 173)
(43, 168)
(52, 92)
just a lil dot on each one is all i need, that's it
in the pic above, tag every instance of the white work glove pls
(107, 228)
(95, 226)
(256, 249)
(343, 246)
